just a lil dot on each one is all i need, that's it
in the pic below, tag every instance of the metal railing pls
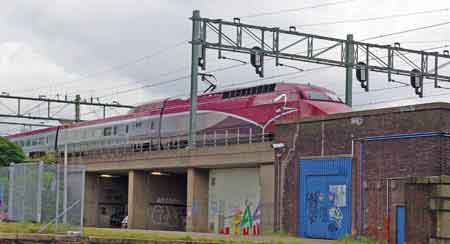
(220, 137)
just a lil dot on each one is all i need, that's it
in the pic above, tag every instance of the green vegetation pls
(284, 238)
(30, 228)
(10, 152)
(363, 240)
(135, 234)
(48, 158)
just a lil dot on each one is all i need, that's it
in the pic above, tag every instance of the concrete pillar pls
(91, 197)
(137, 199)
(197, 200)
(267, 180)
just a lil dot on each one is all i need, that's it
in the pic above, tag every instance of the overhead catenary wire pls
(385, 17)
(165, 82)
(404, 85)
(406, 31)
(117, 67)
(400, 99)
(292, 10)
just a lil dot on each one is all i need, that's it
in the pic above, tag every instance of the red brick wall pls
(382, 159)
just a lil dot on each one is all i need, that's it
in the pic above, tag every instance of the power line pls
(406, 31)
(296, 73)
(296, 9)
(376, 18)
(401, 99)
(165, 82)
(113, 68)
(433, 48)
(126, 84)
(424, 41)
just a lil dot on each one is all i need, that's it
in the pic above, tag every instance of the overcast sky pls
(101, 47)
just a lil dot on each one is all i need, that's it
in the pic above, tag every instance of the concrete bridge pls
(206, 189)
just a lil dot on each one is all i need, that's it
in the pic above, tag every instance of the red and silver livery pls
(240, 113)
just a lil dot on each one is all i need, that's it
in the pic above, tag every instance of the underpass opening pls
(167, 200)
(113, 199)
(157, 199)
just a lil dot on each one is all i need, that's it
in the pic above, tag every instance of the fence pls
(115, 147)
(50, 195)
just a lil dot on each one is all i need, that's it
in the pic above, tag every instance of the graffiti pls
(325, 208)
(168, 200)
(168, 213)
(243, 221)
(237, 222)
(316, 209)
(336, 219)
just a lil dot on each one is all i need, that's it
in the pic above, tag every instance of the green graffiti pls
(247, 220)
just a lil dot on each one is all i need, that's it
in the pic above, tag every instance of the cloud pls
(47, 43)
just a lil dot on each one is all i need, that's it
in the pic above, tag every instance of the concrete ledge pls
(242, 155)
(441, 180)
(439, 241)
(440, 204)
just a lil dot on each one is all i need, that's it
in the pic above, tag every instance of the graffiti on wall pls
(168, 213)
(325, 207)
(234, 201)
(240, 219)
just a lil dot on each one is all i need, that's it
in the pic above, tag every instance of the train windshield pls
(322, 96)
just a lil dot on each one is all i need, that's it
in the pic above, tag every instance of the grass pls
(146, 235)
(284, 238)
(31, 228)
(363, 240)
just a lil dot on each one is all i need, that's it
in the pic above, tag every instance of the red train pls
(240, 114)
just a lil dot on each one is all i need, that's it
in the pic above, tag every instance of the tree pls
(10, 152)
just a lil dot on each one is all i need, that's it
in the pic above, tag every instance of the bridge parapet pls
(237, 155)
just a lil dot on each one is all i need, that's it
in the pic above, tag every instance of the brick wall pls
(333, 135)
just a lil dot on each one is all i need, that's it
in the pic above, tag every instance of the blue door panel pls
(325, 198)
(400, 216)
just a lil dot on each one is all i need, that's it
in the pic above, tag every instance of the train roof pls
(154, 106)
(33, 132)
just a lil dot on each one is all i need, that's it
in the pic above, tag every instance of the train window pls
(249, 91)
(126, 129)
(41, 141)
(115, 130)
(322, 96)
(138, 124)
(265, 89)
(260, 90)
(152, 125)
(28, 142)
(34, 142)
(107, 131)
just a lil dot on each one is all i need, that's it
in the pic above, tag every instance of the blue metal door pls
(400, 216)
(325, 198)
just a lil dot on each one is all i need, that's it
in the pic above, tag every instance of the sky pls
(110, 49)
